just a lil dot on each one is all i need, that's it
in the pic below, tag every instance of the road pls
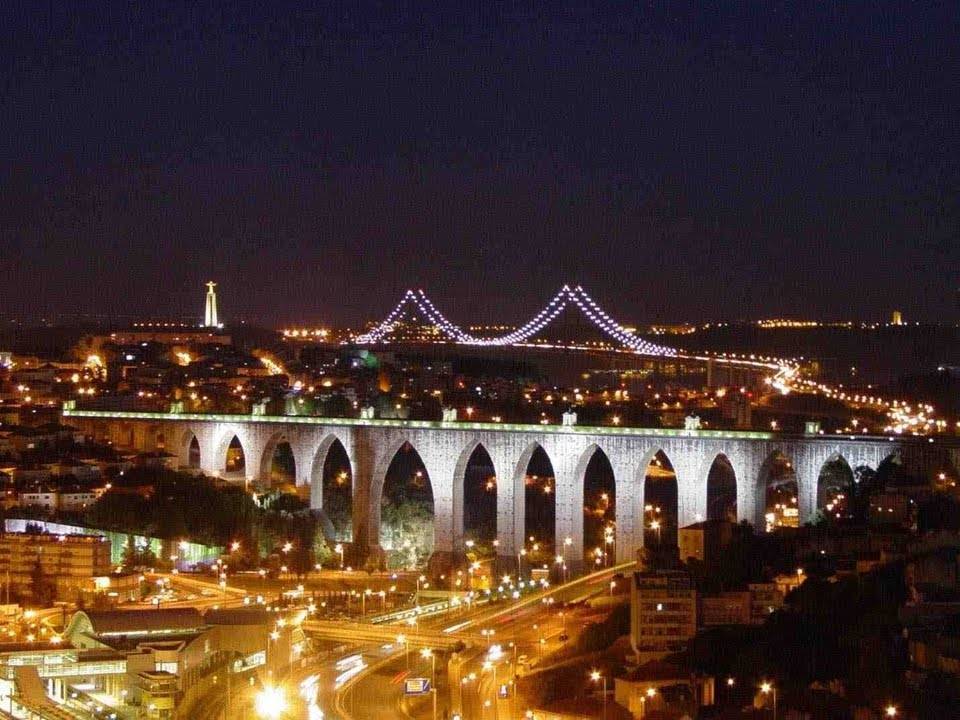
(486, 689)
(378, 693)
(339, 684)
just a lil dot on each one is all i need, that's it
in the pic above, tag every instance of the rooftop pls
(53, 537)
(657, 671)
(164, 620)
(237, 616)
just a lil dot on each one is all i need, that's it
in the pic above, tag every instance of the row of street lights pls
(271, 703)
(769, 689)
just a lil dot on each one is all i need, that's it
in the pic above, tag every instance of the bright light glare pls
(350, 661)
(271, 702)
(348, 673)
(308, 691)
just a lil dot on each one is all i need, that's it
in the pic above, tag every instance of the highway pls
(486, 689)
(360, 671)
(377, 693)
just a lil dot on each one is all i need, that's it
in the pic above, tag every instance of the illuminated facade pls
(72, 563)
(663, 613)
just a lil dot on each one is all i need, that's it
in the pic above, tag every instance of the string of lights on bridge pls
(783, 372)
(418, 300)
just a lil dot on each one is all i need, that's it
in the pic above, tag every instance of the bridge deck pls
(456, 425)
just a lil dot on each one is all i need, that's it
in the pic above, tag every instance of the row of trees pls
(172, 505)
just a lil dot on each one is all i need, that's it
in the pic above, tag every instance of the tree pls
(866, 483)
(120, 511)
(939, 696)
(322, 553)
(407, 528)
(601, 635)
(41, 587)
(338, 507)
(138, 556)
(285, 503)
(304, 532)
(740, 563)
(939, 512)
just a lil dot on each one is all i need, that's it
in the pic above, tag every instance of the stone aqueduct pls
(445, 449)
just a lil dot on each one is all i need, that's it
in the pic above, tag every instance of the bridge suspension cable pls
(418, 301)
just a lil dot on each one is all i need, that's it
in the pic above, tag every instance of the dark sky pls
(682, 160)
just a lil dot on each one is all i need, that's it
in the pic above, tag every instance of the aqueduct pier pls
(446, 447)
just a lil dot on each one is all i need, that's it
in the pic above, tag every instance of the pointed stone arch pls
(272, 446)
(459, 494)
(189, 452)
(233, 436)
(660, 525)
(332, 497)
(511, 516)
(770, 470)
(889, 467)
(589, 533)
(828, 487)
(318, 463)
(720, 485)
(378, 484)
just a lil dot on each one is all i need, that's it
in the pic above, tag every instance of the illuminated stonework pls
(210, 312)
(445, 449)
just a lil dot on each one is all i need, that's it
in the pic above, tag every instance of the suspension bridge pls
(416, 302)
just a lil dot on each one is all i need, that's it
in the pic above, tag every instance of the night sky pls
(682, 160)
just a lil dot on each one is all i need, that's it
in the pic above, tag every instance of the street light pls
(647, 697)
(768, 689)
(492, 667)
(890, 711)
(428, 653)
(270, 702)
(655, 525)
(339, 549)
(597, 676)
